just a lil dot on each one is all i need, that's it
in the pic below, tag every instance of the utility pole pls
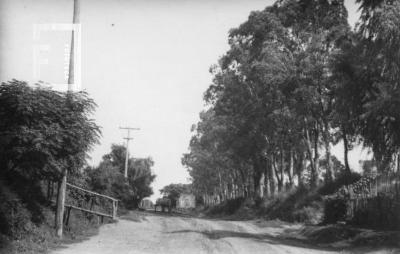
(127, 138)
(62, 185)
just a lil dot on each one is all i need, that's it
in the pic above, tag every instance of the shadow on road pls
(164, 214)
(265, 238)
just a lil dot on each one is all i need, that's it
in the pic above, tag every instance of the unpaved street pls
(172, 234)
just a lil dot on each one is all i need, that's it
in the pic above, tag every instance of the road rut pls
(173, 234)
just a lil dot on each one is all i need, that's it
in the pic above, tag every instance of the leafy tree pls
(108, 177)
(140, 177)
(368, 72)
(44, 131)
(295, 81)
(174, 190)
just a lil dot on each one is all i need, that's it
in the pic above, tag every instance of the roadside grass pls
(42, 238)
(340, 236)
(27, 219)
(296, 205)
(302, 205)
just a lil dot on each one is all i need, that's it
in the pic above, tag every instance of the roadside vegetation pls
(296, 81)
(174, 190)
(42, 132)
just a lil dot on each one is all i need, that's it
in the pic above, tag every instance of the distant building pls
(146, 204)
(186, 201)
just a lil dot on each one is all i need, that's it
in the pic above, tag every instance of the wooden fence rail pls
(87, 201)
(381, 193)
(92, 201)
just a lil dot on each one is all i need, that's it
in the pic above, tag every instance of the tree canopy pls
(43, 131)
(108, 178)
(295, 81)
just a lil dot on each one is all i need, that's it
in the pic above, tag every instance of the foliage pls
(295, 81)
(342, 180)
(174, 190)
(44, 131)
(108, 178)
(335, 210)
(301, 205)
(228, 207)
(380, 212)
(369, 70)
(271, 104)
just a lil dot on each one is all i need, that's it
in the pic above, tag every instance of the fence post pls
(115, 207)
(62, 185)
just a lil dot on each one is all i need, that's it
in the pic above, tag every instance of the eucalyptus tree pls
(280, 97)
(380, 31)
(278, 65)
(368, 70)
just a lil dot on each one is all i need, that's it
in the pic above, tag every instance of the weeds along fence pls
(374, 201)
(90, 202)
(86, 201)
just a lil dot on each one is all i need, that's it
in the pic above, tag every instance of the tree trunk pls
(314, 175)
(267, 183)
(329, 169)
(282, 169)
(290, 168)
(271, 178)
(259, 176)
(261, 185)
(277, 174)
(48, 190)
(346, 150)
(310, 153)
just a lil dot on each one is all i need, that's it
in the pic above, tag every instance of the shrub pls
(300, 204)
(22, 204)
(307, 214)
(227, 207)
(380, 212)
(334, 210)
(343, 179)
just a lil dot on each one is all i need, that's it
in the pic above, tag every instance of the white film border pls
(38, 49)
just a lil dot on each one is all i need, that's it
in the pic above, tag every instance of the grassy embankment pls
(324, 219)
(27, 219)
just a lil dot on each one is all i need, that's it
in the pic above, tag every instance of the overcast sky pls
(145, 63)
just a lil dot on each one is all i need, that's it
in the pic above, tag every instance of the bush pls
(15, 219)
(227, 207)
(334, 210)
(380, 212)
(343, 179)
(300, 204)
(307, 214)
(22, 204)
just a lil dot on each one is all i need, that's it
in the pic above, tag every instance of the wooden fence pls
(375, 195)
(87, 201)
(90, 202)
(373, 185)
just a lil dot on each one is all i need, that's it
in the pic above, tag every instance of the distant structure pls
(186, 201)
(146, 204)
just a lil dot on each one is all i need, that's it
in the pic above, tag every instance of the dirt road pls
(172, 234)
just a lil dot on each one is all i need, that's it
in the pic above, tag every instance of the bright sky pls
(144, 62)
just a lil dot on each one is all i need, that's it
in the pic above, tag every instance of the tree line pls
(296, 81)
(108, 177)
